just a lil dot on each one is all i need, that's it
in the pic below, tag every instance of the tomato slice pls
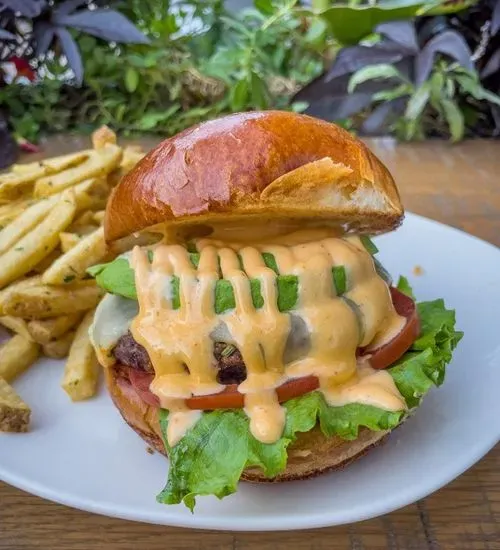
(391, 351)
(230, 398)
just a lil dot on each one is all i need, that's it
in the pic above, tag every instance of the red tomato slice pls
(230, 398)
(391, 351)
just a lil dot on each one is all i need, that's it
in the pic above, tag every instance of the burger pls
(249, 332)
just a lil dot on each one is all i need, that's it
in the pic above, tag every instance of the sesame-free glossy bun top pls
(256, 166)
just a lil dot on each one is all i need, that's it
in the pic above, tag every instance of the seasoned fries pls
(72, 265)
(41, 302)
(51, 218)
(24, 223)
(82, 368)
(16, 355)
(58, 349)
(14, 413)
(13, 186)
(103, 137)
(34, 246)
(45, 330)
(58, 164)
(68, 241)
(98, 164)
(17, 325)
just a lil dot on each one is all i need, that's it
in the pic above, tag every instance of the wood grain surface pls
(458, 185)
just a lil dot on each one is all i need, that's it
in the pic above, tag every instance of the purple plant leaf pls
(105, 24)
(27, 8)
(492, 66)
(352, 58)
(495, 19)
(401, 33)
(69, 6)
(449, 43)
(71, 52)
(43, 33)
(495, 114)
(6, 35)
(350, 105)
(377, 121)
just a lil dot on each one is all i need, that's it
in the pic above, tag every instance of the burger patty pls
(231, 367)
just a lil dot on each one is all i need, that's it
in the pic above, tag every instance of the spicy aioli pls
(180, 345)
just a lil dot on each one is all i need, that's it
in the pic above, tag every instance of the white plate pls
(85, 456)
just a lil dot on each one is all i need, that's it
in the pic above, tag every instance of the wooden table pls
(459, 185)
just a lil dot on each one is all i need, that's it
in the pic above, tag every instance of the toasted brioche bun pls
(310, 455)
(245, 167)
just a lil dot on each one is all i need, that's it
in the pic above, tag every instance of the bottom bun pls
(311, 454)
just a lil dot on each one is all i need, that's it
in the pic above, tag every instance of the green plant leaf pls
(264, 6)
(316, 33)
(131, 79)
(350, 23)
(259, 92)
(399, 91)
(454, 118)
(373, 72)
(239, 95)
(418, 101)
(470, 84)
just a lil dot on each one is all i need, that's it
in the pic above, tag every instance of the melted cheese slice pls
(180, 342)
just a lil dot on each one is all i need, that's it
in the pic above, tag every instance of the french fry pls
(47, 261)
(98, 164)
(10, 211)
(25, 222)
(13, 186)
(82, 369)
(58, 164)
(41, 302)
(34, 246)
(45, 330)
(25, 168)
(57, 349)
(16, 355)
(68, 240)
(72, 265)
(84, 219)
(14, 413)
(99, 217)
(102, 137)
(86, 194)
(17, 325)
(17, 285)
(132, 154)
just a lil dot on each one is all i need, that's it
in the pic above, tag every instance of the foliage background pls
(410, 68)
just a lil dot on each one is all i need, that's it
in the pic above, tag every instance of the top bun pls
(248, 166)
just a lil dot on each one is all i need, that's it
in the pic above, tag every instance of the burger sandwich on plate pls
(252, 334)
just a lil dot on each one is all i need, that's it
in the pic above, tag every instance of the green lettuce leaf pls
(210, 458)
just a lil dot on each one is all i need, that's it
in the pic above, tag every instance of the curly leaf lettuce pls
(211, 457)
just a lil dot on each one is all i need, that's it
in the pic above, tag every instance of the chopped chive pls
(176, 297)
(69, 278)
(339, 279)
(191, 247)
(368, 244)
(195, 259)
(257, 299)
(270, 262)
(228, 350)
